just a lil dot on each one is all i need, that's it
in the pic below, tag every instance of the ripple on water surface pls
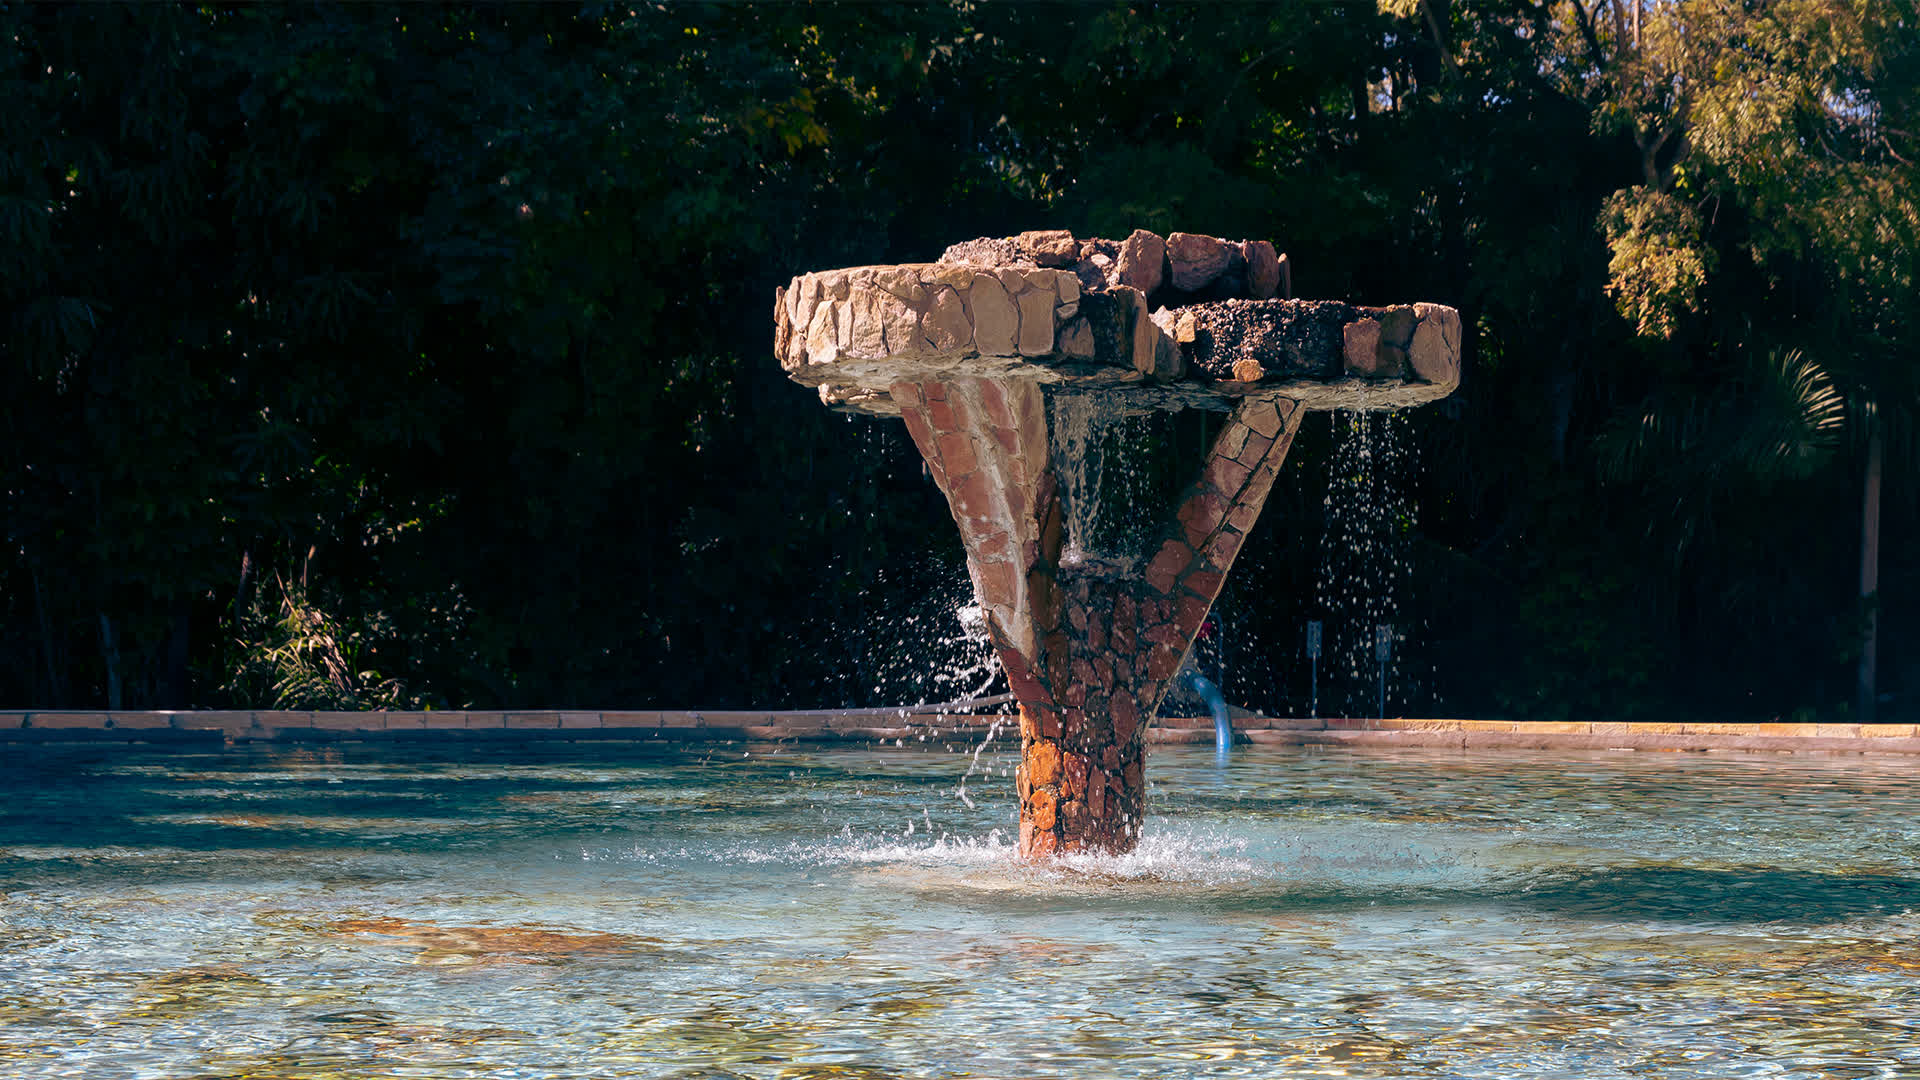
(750, 911)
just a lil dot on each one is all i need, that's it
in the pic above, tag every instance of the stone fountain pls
(966, 351)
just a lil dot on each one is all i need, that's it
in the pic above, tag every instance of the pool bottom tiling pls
(608, 910)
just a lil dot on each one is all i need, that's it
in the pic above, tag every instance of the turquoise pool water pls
(616, 910)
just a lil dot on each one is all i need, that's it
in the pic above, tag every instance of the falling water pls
(1365, 561)
(1110, 464)
(1079, 422)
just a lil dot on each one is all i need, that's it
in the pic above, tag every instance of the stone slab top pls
(1169, 322)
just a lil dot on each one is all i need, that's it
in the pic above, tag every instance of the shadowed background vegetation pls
(360, 355)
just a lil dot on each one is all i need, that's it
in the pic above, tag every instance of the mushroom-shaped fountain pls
(967, 349)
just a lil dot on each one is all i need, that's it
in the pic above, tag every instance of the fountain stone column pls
(965, 350)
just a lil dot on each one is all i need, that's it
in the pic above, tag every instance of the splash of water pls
(973, 766)
(907, 637)
(1313, 858)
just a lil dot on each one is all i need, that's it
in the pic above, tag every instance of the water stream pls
(1365, 563)
(1115, 469)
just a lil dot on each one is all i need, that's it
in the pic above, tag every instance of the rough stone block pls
(945, 326)
(899, 326)
(1068, 286)
(1125, 716)
(868, 336)
(1040, 809)
(902, 283)
(1434, 354)
(1361, 349)
(956, 453)
(1202, 513)
(943, 414)
(1222, 547)
(1076, 340)
(1043, 764)
(1036, 322)
(1261, 416)
(1396, 325)
(1189, 612)
(823, 342)
(1049, 247)
(996, 319)
(1263, 269)
(1255, 450)
(1227, 476)
(1195, 260)
(1204, 583)
(1142, 263)
(1168, 563)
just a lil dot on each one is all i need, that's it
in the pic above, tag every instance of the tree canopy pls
(367, 355)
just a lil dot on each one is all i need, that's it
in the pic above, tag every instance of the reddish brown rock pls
(1142, 262)
(1263, 269)
(1049, 247)
(1195, 260)
(1434, 352)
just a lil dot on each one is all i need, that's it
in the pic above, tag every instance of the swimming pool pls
(687, 910)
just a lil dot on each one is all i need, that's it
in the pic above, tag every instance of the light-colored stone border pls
(906, 726)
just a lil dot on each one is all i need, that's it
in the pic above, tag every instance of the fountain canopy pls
(968, 350)
(1184, 321)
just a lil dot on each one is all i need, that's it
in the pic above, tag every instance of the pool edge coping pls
(908, 725)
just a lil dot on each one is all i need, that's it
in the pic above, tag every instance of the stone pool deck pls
(906, 726)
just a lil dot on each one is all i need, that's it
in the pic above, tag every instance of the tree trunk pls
(175, 681)
(110, 652)
(56, 685)
(1869, 580)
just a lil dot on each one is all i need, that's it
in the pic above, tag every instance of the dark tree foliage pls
(365, 355)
